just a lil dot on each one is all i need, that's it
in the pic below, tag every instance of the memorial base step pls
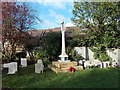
(63, 67)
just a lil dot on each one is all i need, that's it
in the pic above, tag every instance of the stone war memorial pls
(63, 64)
(59, 44)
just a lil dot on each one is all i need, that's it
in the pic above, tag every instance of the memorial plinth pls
(63, 66)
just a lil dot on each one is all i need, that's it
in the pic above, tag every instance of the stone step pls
(55, 69)
(63, 64)
(65, 69)
(78, 67)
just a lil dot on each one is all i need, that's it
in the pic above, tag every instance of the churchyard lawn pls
(89, 78)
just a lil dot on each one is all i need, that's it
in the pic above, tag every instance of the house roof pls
(70, 31)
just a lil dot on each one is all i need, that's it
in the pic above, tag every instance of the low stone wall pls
(88, 54)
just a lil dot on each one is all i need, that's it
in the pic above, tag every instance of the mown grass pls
(89, 78)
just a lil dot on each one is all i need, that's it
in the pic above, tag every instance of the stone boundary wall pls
(88, 54)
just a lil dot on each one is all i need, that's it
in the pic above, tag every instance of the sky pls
(52, 13)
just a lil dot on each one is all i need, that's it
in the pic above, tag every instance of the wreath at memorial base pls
(71, 69)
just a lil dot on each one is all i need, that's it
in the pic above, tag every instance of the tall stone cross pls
(63, 56)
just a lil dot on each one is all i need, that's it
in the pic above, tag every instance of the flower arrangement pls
(71, 69)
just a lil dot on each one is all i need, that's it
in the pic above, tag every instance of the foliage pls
(8, 56)
(28, 42)
(79, 37)
(41, 54)
(73, 54)
(77, 57)
(16, 17)
(21, 54)
(8, 30)
(37, 55)
(110, 61)
(101, 19)
(31, 44)
(80, 40)
(52, 45)
(100, 53)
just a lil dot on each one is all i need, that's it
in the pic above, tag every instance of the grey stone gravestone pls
(105, 64)
(39, 61)
(24, 62)
(12, 67)
(39, 67)
(80, 62)
(86, 64)
(114, 64)
(99, 65)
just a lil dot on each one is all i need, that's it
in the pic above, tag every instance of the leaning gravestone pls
(39, 67)
(12, 67)
(114, 64)
(99, 65)
(86, 64)
(105, 64)
(24, 62)
(80, 63)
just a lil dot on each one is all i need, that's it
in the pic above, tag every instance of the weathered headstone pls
(80, 62)
(105, 64)
(39, 61)
(39, 68)
(114, 64)
(6, 65)
(23, 62)
(86, 64)
(12, 67)
(99, 65)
